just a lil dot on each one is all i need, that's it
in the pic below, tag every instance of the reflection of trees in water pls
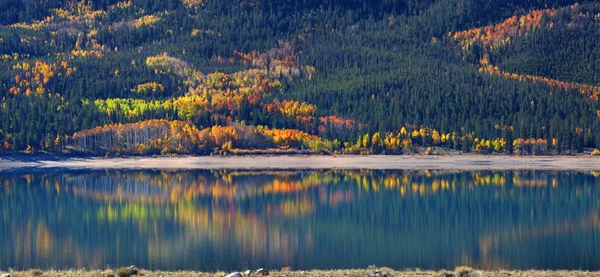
(171, 186)
(489, 242)
(163, 218)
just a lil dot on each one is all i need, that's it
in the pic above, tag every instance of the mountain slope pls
(343, 76)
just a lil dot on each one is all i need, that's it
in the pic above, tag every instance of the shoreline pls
(315, 162)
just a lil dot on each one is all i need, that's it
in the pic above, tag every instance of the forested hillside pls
(214, 77)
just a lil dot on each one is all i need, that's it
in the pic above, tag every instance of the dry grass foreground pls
(380, 272)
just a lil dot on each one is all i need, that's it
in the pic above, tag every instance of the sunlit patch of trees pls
(490, 37)
(150, 88)
(180, 137)
(146, 20)
(74, 12)
(280, 61)
(292, 109)
(479, 43)
(413, 139)
(502, 33)
(185, 106)
(590, 91)
(530, 146)
(194, 3)
(197, 32)
(32, 79)
(165, 64)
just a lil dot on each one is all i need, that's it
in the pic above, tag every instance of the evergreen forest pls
(143, 77)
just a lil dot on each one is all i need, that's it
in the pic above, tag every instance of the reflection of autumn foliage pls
(266, 212)
(173, 187)
(42, 239)
(233, 186)
(489, 242)
(292, 208)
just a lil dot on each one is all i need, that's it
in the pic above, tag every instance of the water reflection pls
(207, 220)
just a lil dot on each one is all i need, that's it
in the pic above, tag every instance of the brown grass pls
(459, 271)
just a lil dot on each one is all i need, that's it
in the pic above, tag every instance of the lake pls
(232, 220)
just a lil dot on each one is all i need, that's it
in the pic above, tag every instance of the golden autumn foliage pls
(146, 20)
(225, 92)
(150, 88)
(193, 3)
(32, 79)
(292, 109)
(84, 53)
(72, 13)
(336, 122)
(181, 137)
(288, 138)
(124, 4)
(530, 146)
(592, 92)
(415, 138)
(502, 33)
(165, 64)
(278, 62)
(491, 37)
(187, 106)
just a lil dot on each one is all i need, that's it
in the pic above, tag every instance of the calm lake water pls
(226, 220)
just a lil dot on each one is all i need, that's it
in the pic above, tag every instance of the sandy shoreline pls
(459, 162)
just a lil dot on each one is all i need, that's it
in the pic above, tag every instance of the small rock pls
(302, 272)
(5, 275)
(247, 272)
(127, 271)
(134, 269)
(262, 272)
(235, 274)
